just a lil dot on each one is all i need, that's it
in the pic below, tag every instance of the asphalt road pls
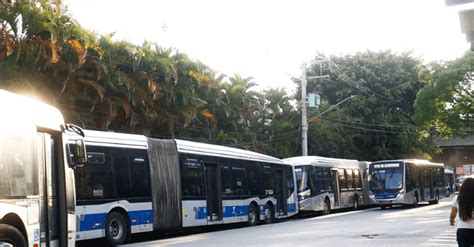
(426, 225)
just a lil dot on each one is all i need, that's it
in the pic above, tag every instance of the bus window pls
(19, 176)
(439, 177)
(290, 181)
(342, 179)
(302, 178)
(226, 178)
(192, 178)
(254, 173)
(350, 179)
(357, 179)
(139, 175)
(427, 178)
(239, 178)
(268, 180)
(317, 181)
(122, 175)
(94, 180)
(408, 177)
(327, 177)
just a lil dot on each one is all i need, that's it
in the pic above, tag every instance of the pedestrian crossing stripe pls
(447, 238)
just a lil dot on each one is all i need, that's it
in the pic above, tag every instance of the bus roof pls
(320, 161)
(114, 138)
(183, 146)
(17, 110)
(223, 151)
(416, 162)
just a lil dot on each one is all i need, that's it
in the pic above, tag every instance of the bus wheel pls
(436, 200)
(116, 228)
(10, 236)
(269, 213)
(327, 207)
(253, 215)
(415, 201)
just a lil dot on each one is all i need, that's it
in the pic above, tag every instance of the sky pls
(269, 40)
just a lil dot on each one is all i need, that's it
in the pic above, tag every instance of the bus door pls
(52, 214)
(281, 191)
(213, 195)
(335, 186)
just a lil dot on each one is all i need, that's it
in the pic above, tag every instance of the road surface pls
(426, 225)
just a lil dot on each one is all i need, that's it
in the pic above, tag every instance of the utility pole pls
(304, 122)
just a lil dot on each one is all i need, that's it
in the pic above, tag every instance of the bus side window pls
(254, 172)
(408, 177)
(192, 177)
(226, 178)
(239, 177)
(95, 180)
(350, 179)
(268, 180)
(140, 181)
(357, 179)
(342, 179)
(317, 181)
(290, 181)
(122, 173)
(327, 179)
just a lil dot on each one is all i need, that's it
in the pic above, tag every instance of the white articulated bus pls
(37, 206)
(324, 183)
(406, 182)
(136, 184)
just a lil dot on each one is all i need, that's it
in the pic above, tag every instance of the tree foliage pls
(100, 83)
(376, 123)
(446, 104)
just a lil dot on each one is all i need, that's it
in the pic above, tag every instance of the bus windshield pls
(19, 175)
(386, 178)
(301, 178)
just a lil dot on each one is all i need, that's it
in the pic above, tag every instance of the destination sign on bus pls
(388, 165)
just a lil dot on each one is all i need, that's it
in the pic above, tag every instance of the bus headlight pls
(371, 195)
(303, 195)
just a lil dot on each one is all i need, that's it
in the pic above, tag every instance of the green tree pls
(445, 105)
(377, 124)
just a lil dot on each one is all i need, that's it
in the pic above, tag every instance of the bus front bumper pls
(387, 199)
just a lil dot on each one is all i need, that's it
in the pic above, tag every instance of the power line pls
(358, 86)
(370, 124)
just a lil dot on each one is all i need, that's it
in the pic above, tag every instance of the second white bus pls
(324, 184)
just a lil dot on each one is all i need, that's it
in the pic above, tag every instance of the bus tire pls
(116, 228)
(11, 235)
(436, 200)
(415, 200)
(269, 213)
(327, 207)
(253, 215)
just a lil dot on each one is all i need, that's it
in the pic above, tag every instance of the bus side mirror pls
(80, 154)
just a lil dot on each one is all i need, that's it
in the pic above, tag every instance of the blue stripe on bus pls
(92, 222)
(292, 207)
